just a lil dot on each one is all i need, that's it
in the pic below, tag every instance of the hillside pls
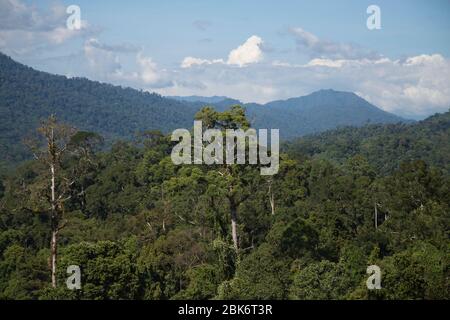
(385, 146)
(26, 96)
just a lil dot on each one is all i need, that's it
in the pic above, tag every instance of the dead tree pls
(57, 137)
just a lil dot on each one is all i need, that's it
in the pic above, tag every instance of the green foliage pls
(321, 280)
(260, 275)
(385, 146)
(420, 272)
(203, 282)
(140, 227)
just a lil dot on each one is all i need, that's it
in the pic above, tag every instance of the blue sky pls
(249, 50)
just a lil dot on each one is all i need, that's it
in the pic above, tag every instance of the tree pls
(108, 271)
(232, 175)
(57, 137)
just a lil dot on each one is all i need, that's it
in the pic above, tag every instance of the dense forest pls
(141, 227)
(384, 146)
(27, 96)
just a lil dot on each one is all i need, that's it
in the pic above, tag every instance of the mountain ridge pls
(28, 96)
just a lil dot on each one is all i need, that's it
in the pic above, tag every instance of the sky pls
(251, 50)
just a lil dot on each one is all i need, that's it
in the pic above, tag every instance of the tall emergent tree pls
(237, 180)
(56, 138)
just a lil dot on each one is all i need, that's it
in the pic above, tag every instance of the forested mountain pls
(384, 146)
(319, 111)
(27, 96)
(141, 227)
(322, 110)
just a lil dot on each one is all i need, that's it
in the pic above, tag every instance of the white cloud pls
(191, 61)
(104, 64)
(24, 29)
(148, 69)
(326, 63)
(413, 87)
(149, 73)
(424, 59)
(249, 52)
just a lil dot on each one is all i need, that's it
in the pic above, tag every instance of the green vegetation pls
(384, 146)
(142, 228)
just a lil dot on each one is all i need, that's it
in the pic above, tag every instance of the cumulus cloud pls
(247, 53)
(25, 29)
(415, 87)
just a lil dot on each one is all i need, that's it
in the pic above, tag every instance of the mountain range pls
(28, 96)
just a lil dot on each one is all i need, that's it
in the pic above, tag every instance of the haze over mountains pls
(27, 96)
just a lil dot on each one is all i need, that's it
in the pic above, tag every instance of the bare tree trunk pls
(376, 216)
(54, 226)
(53, 246)
(57, 137)
(271, 198)
(233, 209)
(164, 209)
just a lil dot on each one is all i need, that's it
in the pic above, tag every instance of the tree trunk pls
(53, 249)
(376, 216)
(54, 226)
(271, 198)
(233, 209)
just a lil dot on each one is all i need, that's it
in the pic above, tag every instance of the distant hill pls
(27, 96)
(319, 111)
(385, 146)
